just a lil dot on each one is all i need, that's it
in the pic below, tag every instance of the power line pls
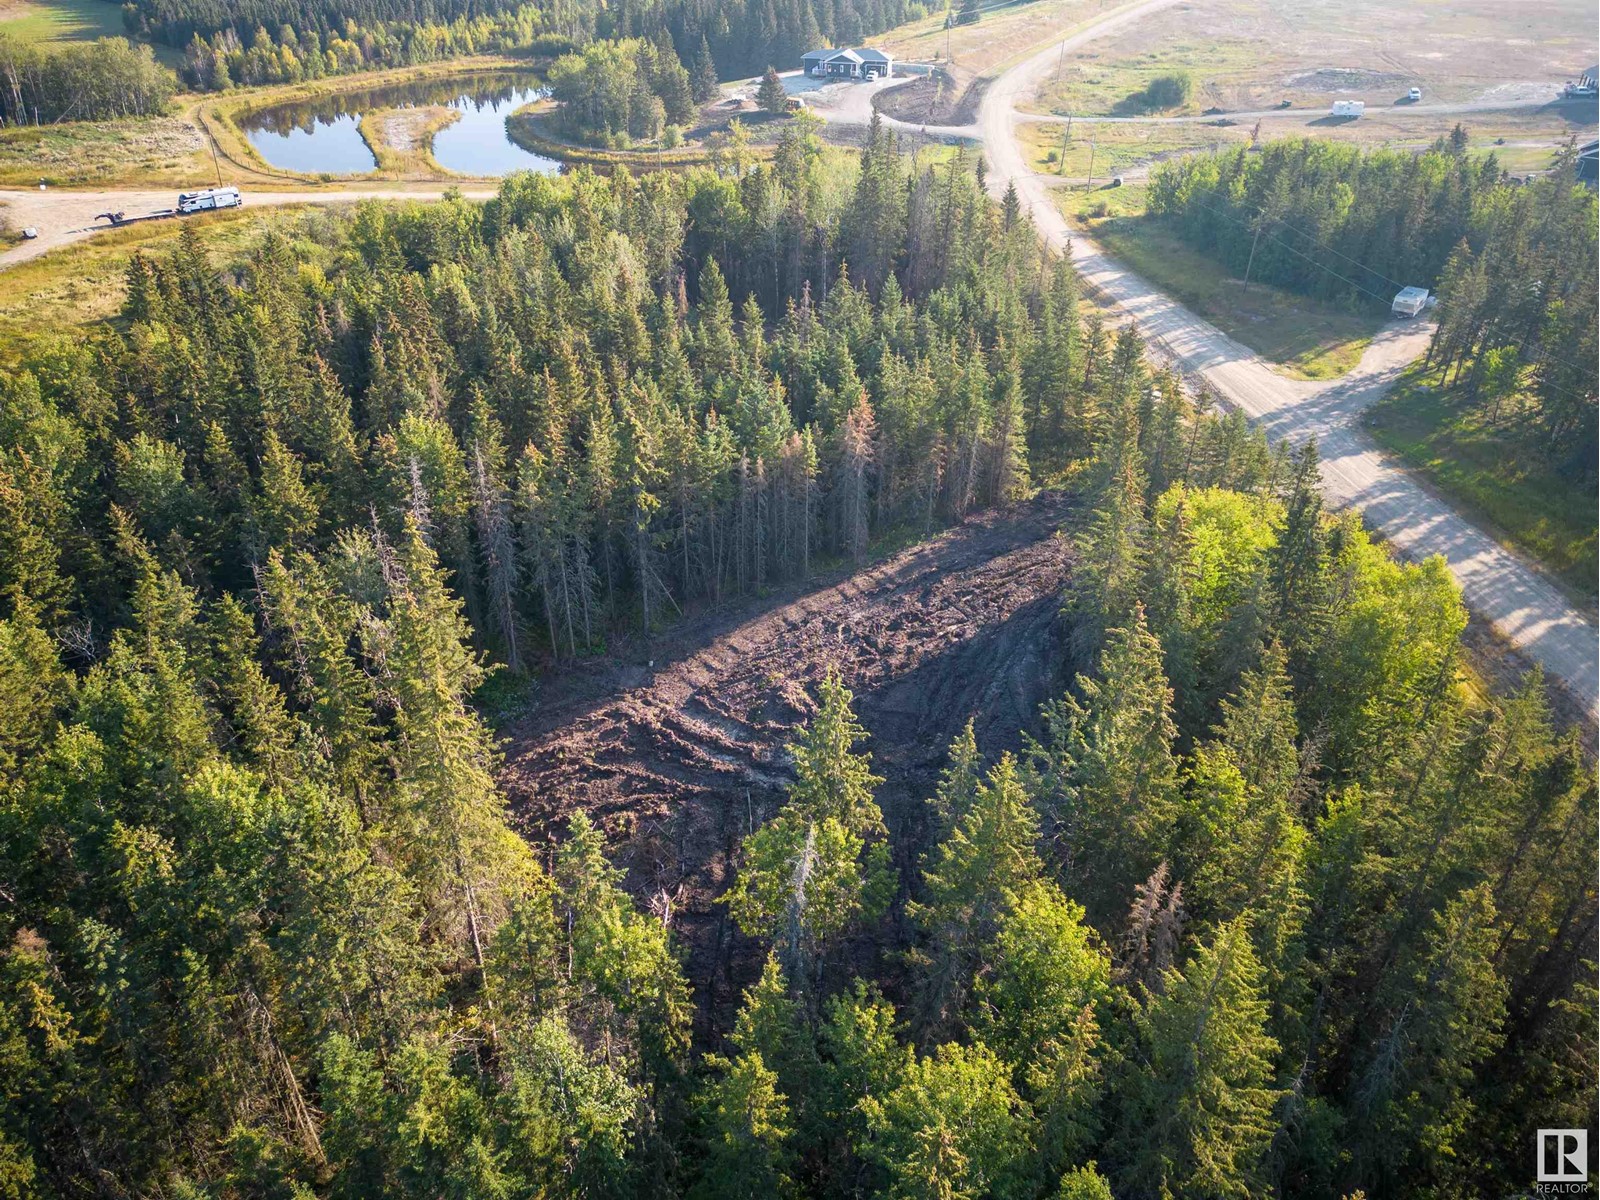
(1545, 353)
(1379, 296)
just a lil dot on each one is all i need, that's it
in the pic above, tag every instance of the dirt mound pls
(938, 98)
(681, 764)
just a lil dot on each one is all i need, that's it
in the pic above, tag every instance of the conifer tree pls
(703, 74)
(1106, 778)
(822, 863)
(862, 1059)
(955, 1126)
(1299, 563)
(747, 1132)
(958, 783)
(1196, 1115)
(1046, 977)
(970, 881)
(770, 96)
(1438, 1023)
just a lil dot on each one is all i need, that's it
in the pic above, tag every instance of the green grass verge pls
(37, 21)
(1113, 149)
(1494, 476)
(1305, 338)
(528, 128)
(69, 290)
(104, 153)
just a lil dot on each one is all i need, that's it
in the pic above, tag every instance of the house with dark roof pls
(864, 63)
(1587, 168)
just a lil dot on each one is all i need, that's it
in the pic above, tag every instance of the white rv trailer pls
(1409, 301)
(1348, 108)
(203, 201)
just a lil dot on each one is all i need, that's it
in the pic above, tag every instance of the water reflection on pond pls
(322, 134)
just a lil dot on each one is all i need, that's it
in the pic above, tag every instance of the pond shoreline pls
(320, 133)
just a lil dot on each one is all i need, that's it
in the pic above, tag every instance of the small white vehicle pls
(210, 198)
(1414, 95)
(1348, 108)
(30, 233)
(1410, 301)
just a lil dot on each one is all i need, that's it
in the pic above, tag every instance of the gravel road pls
(1511, 594)
(1522, 605)
(63, 216)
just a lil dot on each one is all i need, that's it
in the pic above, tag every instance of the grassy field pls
(1088, 206)
(82, 285)
(60, 20)
(1306, 339)
(1001, 34)
(1118, 148)
(1245, 54)
(105, 153)
(1498, 480)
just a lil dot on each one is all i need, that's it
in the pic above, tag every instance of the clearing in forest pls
(682, 762)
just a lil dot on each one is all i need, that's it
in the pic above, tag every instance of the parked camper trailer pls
(203, 201)
(1348, 108)
(1410, 301)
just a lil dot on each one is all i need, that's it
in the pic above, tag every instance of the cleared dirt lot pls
(966, 54)
(680, 762)
(1247, 54)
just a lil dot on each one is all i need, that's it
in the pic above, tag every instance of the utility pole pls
(1060, 60)
(1091, 162)
(1065, 138)
(212, 138)
(1261, 219)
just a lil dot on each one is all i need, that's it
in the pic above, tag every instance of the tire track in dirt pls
(679, 763)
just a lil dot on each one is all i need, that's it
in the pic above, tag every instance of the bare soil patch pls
(681, 762)
(942, 97)
(406, 129)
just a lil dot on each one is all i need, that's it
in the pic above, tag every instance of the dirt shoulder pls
(680, 761)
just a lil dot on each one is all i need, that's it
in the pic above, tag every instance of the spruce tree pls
(958, 783)
(703, 74)
(1440, 1019)
(954, 1126)
(747, 1131)
(770, 96)
(1106, 778)
(1196, 1105)
(1299, 562)
(969, 882)
(822, 863)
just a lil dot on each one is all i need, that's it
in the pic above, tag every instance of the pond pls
(322, 134)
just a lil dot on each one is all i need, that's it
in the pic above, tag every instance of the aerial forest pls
(286, 41)
(1275, 896)
(1513, 266)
